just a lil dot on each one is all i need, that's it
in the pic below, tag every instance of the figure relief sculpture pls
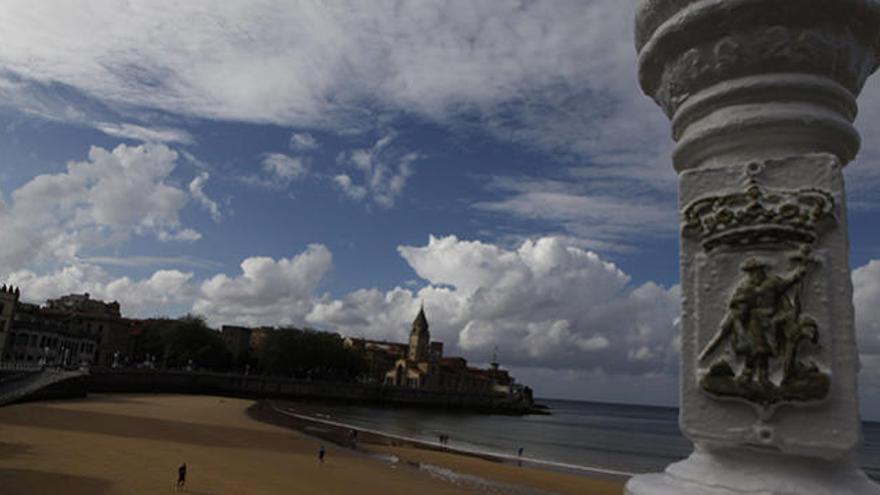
(758, 341)
(756, 353)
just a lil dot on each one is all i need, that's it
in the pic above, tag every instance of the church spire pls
(419, 338)
(420, 324)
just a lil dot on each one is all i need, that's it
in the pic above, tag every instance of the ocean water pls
(622, 439)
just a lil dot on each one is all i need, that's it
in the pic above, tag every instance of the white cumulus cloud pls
(100, 201)
(137, 298)
(546, 304)
(268, 291)
(550, 308)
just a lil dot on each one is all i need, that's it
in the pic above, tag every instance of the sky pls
(334, 165)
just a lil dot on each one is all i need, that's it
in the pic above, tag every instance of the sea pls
(587, 437)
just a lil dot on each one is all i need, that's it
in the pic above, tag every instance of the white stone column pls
(761, 95)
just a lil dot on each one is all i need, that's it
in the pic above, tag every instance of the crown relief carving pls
(757, 352)
(757, 215)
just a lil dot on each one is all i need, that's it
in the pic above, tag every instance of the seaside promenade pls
(132, 444)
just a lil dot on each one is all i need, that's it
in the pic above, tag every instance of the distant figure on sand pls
(321, 454)
(519, 452)
(181, 476)
(353, 436)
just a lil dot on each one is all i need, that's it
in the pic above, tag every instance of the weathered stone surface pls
(704, 473)
(685, 46)
(737, 77)
(761, 96)
(821, 424)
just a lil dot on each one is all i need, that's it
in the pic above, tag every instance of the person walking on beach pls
(181, 476)
(519, 453)
(321, 454)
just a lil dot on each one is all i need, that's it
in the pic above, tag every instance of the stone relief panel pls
(762, 332)
(767, 342)
(765, 348)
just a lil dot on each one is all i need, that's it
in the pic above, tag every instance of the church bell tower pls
(419, 338)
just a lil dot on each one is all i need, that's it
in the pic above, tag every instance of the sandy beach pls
(134, 443)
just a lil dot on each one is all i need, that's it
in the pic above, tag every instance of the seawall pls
(234, 385)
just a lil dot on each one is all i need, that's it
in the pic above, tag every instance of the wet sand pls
(506, 473)
(132, 444)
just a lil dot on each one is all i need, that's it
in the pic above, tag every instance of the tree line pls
(188, 342)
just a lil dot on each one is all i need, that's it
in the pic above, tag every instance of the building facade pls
(421, 365)
(38, 337)
(100, 319)
(71, 330)
(8, 300)
(379, 356)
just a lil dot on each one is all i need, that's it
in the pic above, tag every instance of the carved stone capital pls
(780, 75)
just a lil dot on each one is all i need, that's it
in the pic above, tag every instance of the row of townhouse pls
(69, 331)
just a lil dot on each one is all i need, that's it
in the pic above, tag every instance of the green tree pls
(149, 341)
(190, 338)
(308, 354)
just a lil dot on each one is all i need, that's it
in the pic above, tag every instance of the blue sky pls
(334, 165)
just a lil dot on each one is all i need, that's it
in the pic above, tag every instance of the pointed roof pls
(421, 322)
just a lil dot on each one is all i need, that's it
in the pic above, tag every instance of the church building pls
(419, 368)
(422, 366)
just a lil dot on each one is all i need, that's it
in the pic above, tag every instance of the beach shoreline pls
(133, 443)
(303, 417)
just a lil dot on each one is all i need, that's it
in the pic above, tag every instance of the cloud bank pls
(555, 75)
(545, 304)
(549, 307)
(101, 201)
